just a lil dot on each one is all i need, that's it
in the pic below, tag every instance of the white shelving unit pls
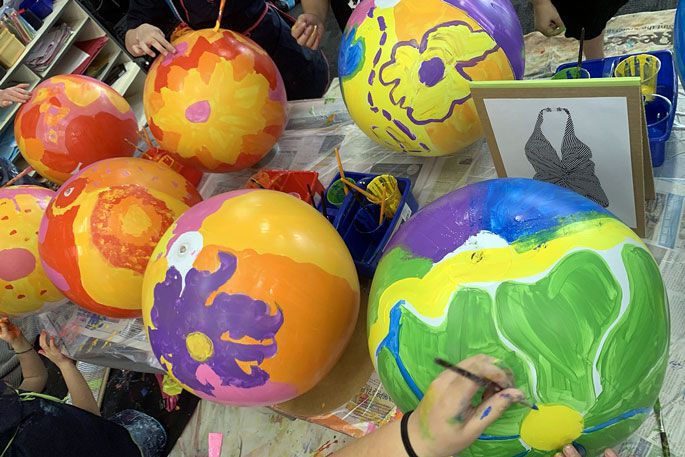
(119, 70)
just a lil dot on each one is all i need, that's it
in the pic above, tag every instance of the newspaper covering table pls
(316, 128)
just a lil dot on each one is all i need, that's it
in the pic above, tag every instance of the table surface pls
(315, 128)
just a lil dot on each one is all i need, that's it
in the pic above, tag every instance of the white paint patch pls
(183, 253)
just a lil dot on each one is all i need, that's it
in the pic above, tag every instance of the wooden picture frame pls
(604, 138)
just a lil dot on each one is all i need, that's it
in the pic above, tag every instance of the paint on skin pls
(486, 413)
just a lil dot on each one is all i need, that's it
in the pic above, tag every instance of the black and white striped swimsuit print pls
(574, 170)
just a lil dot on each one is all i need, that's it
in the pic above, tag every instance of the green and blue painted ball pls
(544, 280)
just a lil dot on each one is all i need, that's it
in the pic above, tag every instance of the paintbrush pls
(478, 380)
(580, 51)
(665, 448)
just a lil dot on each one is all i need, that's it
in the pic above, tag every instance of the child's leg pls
(594, 48)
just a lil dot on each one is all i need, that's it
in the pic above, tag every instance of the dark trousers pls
(304, 72)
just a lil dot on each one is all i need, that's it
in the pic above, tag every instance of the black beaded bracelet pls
(404, 431)
(23, 352)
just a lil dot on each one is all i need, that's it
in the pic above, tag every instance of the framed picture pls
(588, 135)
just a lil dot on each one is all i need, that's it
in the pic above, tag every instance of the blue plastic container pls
(357, 222)
(41, 8)
(667, 86)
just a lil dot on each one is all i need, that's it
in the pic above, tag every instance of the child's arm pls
(547, 19)
(81, 395)
(445, 422)
(309, 28)
(32, 368)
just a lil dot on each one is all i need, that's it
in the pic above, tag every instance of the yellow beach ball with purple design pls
(250, 298)
(544, 280)
(24, 286)
(405, 67)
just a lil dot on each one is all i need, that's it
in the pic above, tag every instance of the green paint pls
(612, 436)
(492, 448)
(558, 322)
(395, 265)
(427, 405)
(586, 299)
(630, 351)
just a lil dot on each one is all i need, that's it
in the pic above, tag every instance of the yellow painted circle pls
(200, 346)
(551, 427)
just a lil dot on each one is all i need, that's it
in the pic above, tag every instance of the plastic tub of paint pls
(357, 221)
(658, 112)
(666, 86)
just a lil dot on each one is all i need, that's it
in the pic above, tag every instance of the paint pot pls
(658, 112)
(572, 73)
(336, 192)
(644, 66)
(367, 218)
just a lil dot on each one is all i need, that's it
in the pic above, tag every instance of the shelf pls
(57, 9)
(122, 84)
(112, 51)
(76, 31)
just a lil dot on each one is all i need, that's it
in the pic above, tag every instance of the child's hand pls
(445, 422)
(9, 332)
(570, 451)
(50, 350)
(547, 19)
(16, 94)
(308, 30)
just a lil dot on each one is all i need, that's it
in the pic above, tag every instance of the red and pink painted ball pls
(218, 103)
(71, 122)
(24, 286)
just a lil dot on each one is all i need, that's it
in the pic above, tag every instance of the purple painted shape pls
(499, 19)
(381, 23)
(372, 77)
(432, 71)
(443, 225)
(384, 38)
(369, 99)
(422, 48)
(386, 115)
(199, 112)
(377, 57)
(179, 311)
(404, 129)
(374, 109)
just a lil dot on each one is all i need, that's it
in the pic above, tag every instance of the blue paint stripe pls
(499, 438)
(392, 343)
(670, 220)
(615, 420)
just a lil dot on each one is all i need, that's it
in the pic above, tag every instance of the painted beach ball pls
(98, 233)
(405, 67)
(218, 103)
(71, 122)
(250, 298)
(544, 280)
(24, 286)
